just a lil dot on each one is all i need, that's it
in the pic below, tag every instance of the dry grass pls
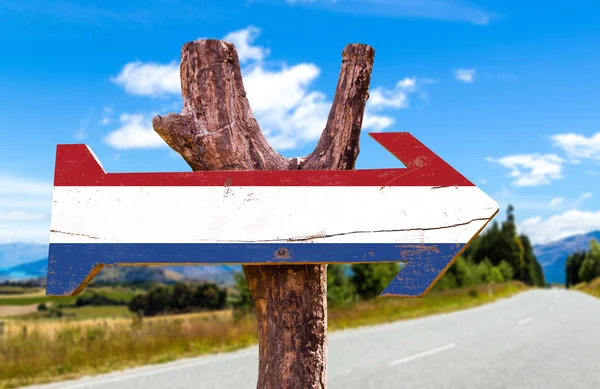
(51, 327)
(16, 310)
(66, 349)
(592, 288)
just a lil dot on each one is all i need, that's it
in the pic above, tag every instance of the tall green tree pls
(590, 267)
(573, 265)
(532, 273)
(244, 302)
(462, 272)
(209, 296)
(370, 279)
(510, 246)
(506, 270)
(339, 288)
(483, 270)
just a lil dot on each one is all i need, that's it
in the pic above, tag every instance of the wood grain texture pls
(217, 131)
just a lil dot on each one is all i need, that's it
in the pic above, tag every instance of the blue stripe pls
(69, 265)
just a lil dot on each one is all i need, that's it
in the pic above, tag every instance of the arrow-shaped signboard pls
(423, 215)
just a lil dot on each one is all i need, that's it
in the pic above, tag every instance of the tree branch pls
(217, 131)
(338, 148)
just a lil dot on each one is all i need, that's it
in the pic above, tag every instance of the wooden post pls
(217, 131)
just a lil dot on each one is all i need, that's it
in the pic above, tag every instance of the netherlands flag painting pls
(423, 215)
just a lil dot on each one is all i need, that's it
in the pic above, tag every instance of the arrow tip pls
(76, 164)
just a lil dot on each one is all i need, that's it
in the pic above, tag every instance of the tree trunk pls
(217, 131)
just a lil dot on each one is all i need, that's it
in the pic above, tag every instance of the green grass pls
(18, 289)
(35, 300)
(70, 352)
(38, 297)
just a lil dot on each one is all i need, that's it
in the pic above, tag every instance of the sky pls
(506, 91)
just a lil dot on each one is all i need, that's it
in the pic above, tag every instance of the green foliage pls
(209, 296)
(482, 274)
(506, 270)
(370, 279)
(573, 265)
(463, 272)
(180, 297)
(496, 275)
(583, 266)
(340, 290)
(447, 281)
(511, 254)
(97, 300)
(590, 267)
(42, 307)
(244, 302)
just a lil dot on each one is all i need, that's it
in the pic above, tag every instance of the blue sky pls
(505, 91)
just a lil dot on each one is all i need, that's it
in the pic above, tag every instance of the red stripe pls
(76, 166)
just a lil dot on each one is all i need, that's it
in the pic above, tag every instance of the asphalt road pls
(546, 339)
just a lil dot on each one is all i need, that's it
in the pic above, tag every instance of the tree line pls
(179, 298)
(583, 266)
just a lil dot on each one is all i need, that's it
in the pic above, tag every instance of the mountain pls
(129, 274)
(13, 254)
(553, 256)
(29, 270)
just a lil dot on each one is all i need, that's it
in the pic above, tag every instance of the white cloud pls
(242, 39)
(25, 233)
(19, 216)
(11, 185)
(586, 195)
(149, 79)
(288, 110)
(483, 181)
(532, 169)
(555, 201)
(135, 132)
(559, 226)
(380, 98)
(105, 120)
(24, 206)
(376, 122)
(578, 146)
(465, 75)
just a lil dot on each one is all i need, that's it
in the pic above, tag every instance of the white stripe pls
(423, 354)
(268, 214)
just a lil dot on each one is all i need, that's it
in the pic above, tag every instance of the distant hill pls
(553, 256)
(13, 254)
(29, 269)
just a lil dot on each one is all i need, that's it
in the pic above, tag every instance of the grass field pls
(60, 349)
(592, 288)
(13, 301)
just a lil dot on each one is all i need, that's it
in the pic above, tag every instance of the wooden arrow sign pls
(423, 215)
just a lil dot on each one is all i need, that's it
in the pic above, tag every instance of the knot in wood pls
(282, 253)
